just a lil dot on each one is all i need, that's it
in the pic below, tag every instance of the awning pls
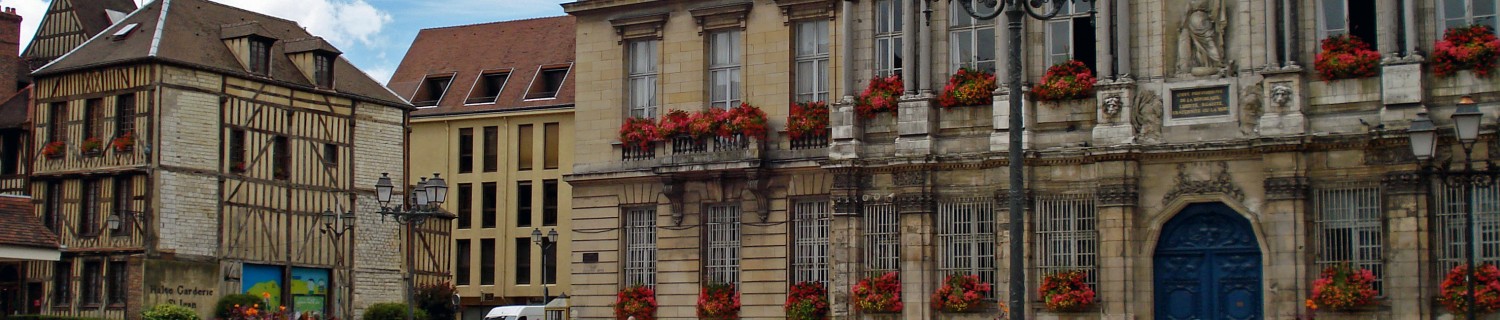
(11, 252)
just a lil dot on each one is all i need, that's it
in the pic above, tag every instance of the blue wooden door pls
(1207, 266)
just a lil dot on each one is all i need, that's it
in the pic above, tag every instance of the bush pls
(390, 311)
(170, 312)
(437, 300)
(46, 317)
(226, 304)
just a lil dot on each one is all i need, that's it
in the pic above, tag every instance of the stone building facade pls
(1211, 170)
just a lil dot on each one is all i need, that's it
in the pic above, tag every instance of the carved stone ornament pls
(914, 203)
(1118, 194)
(1200, 39)
(1250, 110)
(1402, 182)
(1112, 106)
(1389, 155)
(673, 190)
(1286, 188)
(1281, 96)
(848, 178)
(1220, 183)
(794, 10)
(910, 177)
(1148, 116)
(644, 27)
(758, 184)
(722, 17)
(846, 205)
(1002, 200)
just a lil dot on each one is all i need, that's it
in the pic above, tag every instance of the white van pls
(516, 313)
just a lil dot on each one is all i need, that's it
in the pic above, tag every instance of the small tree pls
(437, 300)
(169, 312)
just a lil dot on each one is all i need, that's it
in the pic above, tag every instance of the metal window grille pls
(1450, 236)
(810, 230)
(966, 233)
(724, 69)
(887, 37)
(724, 244)
(1349, 229)
(812, 60)
(972, 41)
(1066, 237)
(643, 75)
(640, 246)
(882, 238)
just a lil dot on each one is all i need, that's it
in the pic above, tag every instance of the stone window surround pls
(811, 230)
(650, 77)
(1079, 235)
(639, 226)
(722, 234)
(820, 66)
(961, 228)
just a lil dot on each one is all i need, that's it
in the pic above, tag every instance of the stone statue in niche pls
(1281, 95)
(1200, 39)
(1112, 106)
(1250, 110)
(1148, 117)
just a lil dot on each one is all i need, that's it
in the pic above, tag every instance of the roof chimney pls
(11, 68)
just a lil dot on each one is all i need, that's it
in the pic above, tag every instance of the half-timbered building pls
(191, 149)
(68, 23)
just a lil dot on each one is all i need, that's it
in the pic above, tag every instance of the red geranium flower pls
(968, 87)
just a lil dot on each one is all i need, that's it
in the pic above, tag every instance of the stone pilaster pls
(916, 123)
(1283, 218)
(844, 242)
(1282, 101)
(1000, 138)
(1401, 92)
(1113, 113)
(915, 204)
(1407, 220)
(846, 131)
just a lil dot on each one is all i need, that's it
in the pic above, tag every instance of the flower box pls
(807, 301)
(719, 302)
(1474, 48)
(883, 95)
(968, 88)
(880, 294)
(1342, 287)
(1453, 292)
(1066, 292)
(91, 146)
(807, 125)
(123, 143)
(1067, 80)
(1346, 57)
(54, 150)
(636, 301)
(960, 293)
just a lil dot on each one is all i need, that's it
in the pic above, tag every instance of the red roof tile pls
(19, 226)
(521, 46)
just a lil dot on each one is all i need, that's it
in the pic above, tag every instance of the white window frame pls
(1067, 236)
(640, 246)
(965, 27)
(888, 28)
(811, 50)
(723, 239)
(540, 71)
(811, 227)
(1468, 18)
(1324, 30)
(1448, 233)
(882, 234)
(478, 79)
(966, 235)
(1063, 22)
(642, 77)
(1356, 210)
(724, 74)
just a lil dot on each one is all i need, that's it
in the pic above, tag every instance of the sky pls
(373, 34)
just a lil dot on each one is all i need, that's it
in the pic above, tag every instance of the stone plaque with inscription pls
(1200, 102)
(190, 284)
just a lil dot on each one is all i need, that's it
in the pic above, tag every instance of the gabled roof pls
(93, 15)
(19, 226)
(89, 16)
(521, 46)
(13, 112)
(188, 33)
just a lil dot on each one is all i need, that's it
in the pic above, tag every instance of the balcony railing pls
(686, 145)
(635, 152)
(810, 142)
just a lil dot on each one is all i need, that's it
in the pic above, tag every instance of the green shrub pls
(437, 300)
(226, 304)
(45, 317)
(169, 312)
(390, 311)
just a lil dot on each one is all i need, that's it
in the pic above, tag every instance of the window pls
(1070, 35)
(1449, 238)
(465, 205)
(1066, 236)
(62, 276)
(523, 148)
(465, 150)
(523, 203)
(551, 132)
(54, 205)
(88, 208)
(10, 153)
(93, 118)
(124, 205)
(282, 149)
(549, 267)
(547, 83)
(643, 78)
(812, 60)
(323, 70)
(549, 202)
(489, 201)
(491, 149)
(431, 90)
(237, 150)
(882, 238)
(523, 260)
(118, 276)
(966, 234)
(1349, 229)
(640, 246)
(971, 41)
(124, 114)
(93, 281)
(461, 271)
(260, 56)
(57, 122)
(723, 265)
(330, 154)
(486, 262)
(1461, 13)
(1338, 17)
(810, 230)
(724, 69)
(888, 37)
(488, 88)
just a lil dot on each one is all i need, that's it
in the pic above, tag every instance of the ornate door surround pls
(1207, 265)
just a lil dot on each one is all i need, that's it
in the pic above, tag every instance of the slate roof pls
(13, 112)
(92, 15)
(522, 46)
(19, 226)
(188, 32)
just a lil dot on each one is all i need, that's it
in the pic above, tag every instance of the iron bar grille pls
(640, 246)
(1450, 236)
(810, 229)
(724, 244)
(882, 238)
(1066, 237)
(1349, 229)
(966, 234)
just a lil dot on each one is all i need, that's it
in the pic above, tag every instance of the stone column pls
(919, 275)
(909, 48)
(1122, 37)
(1105, 50)
(1117, 197)
(1282, 217)
(1409, 266)
(844, 242)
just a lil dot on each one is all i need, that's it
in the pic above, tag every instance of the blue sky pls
(374, 34)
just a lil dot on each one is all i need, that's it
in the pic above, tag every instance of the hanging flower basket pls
(638, 132)
(960, 293)
(880, 294)
(1342, 287)
(807, 119)
(1066, 291)
(968, 87)
(1067, 80)
(1346, 57)
(744, 120)
(882, 95)
(719, 302)
(807, 301)
(54, 150)
(637, 301)
(1473, 47)
(91, 146)
(123, 143)
(1454, 291)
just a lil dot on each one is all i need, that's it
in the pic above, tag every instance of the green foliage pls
(170, 312)
(46, 317)
(226, 304)
(391, 311)
(437, 300)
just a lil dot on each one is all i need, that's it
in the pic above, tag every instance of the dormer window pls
(431, 91)
(487, 89)
(260, 56)
(323, 70)
(547, 83)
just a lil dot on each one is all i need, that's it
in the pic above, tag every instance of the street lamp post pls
(426, 201)
(1015, 11)
(544, 243)
(1423, 137)
(337, 226)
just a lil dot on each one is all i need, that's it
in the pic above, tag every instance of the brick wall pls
(379, 139)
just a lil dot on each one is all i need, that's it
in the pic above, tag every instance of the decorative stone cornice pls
(1115, 195)
(847, 205)
(914, 203)
(1221, 183)
(643, 27)
(1286, 188)
(722, 17)
(910, 176)
(849, 178)
(1402, 182)
(794, 10)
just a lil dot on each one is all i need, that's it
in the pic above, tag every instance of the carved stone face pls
(1281, 95)
(1112, 105)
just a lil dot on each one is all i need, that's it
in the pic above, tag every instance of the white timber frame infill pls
(811, 227)
(1449, 236)
(640, 246)
(1349, 228)
(966, 236)
(723, 265)
(882, 232)
(1067, 238)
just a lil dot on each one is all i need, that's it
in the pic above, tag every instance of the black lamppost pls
(426, 201)
(337, 226)
(1423, 135)
(1015, 11)
(544, 243)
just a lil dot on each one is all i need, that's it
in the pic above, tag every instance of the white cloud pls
(342, 22)
(31, 12)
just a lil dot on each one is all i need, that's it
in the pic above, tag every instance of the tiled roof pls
(187, 32)
(521, 46)
(19, 226)
(13, 111)
(93, 15)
